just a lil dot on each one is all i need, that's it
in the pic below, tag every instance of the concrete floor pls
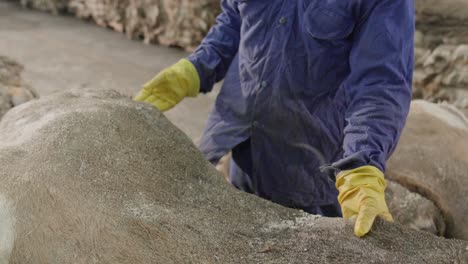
(62, 53)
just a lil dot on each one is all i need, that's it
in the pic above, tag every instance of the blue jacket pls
(308, 83)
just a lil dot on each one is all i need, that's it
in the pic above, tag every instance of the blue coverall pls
(308, 83)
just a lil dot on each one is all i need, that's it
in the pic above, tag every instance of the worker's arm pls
(378, 95)
(215, 54)
(207, 65)
(378, 89)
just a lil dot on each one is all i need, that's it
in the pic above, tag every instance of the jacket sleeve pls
(378, 89)
(216, 52)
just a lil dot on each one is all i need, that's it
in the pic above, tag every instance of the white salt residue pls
(7, 232)
(409, 197)
(304, 221)
(23, 129)
(446, 113)
(143, 209)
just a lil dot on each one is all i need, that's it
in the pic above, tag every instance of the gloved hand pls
(361, 195)
(171, 85)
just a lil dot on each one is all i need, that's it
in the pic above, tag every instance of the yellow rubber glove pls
(362, 197)
(171, 85)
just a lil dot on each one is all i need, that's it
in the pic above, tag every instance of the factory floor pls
(61, 53)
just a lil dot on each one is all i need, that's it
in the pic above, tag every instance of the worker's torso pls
(305, 39)
(283, 91)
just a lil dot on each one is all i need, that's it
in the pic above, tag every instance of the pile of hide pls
(441, 49)
(435, 11)
(181, 23)
(441, 69)
(13, 91)
(93, 177)
(432, 160)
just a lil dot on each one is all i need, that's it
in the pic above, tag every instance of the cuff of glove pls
(367, 176)
(186, 69)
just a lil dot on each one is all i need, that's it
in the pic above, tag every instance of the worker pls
(315, 96)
